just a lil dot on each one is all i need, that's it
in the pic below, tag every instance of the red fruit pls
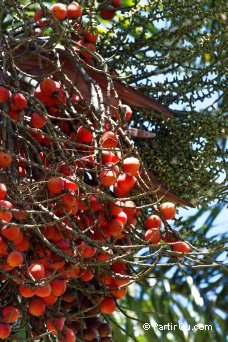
(20, 215)
(71, 185)
(15, 259)
(128, 112)
(5, 215)
(117, 3)
(86, 251)
(16, 115)
(55, 324)
(48, 232)
(168, 209)
(131, 221)
(122, 216)
(50, 300)
(74, 10)
(131, 165)
(119, 267)
(129, 208)
(103, 256)
(55, 185)
(69, 296)
(170, 237)
(104, 329)
(3, 246)
(90, 334)
(113, 167)
(58, 287)
(5, 159)
(4, 95)
(91, 36)
(18, 102)
(93, 202)
(37, 271)
(108, 305)
(69, 335)
(153, 221)
(120, 192)
(84, 135)
(59, 11)
(65, 170)
(87, 275)
(38, 16)
(115, 227)
(107, 157)
(107, 178)
(26, 292)
(23, 245)
(3, 191)
(69, 200)
(5, 330)
(36, 307)
(153, 235)
(115, 207)
(10, 314)
(48, 87)
(108, 13)
(126, 181)
(119, 294)
(90, 47)
(11, 232)
(37, 120)
(109, 140)
(181, 247)
(44, 291)
(73, 271)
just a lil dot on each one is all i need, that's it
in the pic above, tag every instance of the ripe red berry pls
(153, 235)
(49, 86)
(89, 46)
(5, 213)
(37, 270)
(181, 247)
(168, 209)
(108, 305)
(153, 221)
(36, 307)
(38, 16)
(131, 165)
(5, 330)
(109, 140)
(91, 36)
(55, 185)
(108, 13)
(59, 11)
(74, 10)
(18, 102)
(15, 259)
(10, 314)
(37, 120)
(3, 191)
(84, 135)
(4, 95)
(107, 178)
(126, 181)
(5, 159)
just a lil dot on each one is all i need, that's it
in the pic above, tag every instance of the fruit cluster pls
(69, 240)
(71, 216)
(85, 38)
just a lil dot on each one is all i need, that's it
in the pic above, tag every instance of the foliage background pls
(176, 52)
